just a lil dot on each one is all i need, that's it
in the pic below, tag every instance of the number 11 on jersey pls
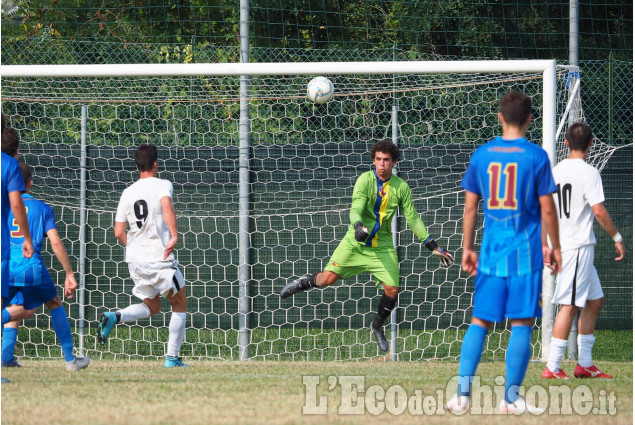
(509, 201)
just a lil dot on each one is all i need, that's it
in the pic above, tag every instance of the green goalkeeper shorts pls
(351, 258)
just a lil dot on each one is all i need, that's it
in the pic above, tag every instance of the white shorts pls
(578, 281)
(152, 279)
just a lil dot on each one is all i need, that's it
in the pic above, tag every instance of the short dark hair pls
(579, 136)
(145, 157)
(27, 172)
(10, 141)
(516, 108)
(385, 146)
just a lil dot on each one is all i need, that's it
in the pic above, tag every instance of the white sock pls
(134, 312)
(177, 333)
(585, 345)
(556, 352)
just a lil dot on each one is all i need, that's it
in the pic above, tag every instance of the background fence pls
(292, 32)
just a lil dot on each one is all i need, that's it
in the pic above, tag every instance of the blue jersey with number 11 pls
(510, 176)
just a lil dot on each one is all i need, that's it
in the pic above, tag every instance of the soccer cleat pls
(458, 404)
(106, 323)
(171, 361)
(382, 342)
(590, 372)
(519, 407)
(11, 363)
(5, 380)
(78, 363)
(548, 374)
(295, 286)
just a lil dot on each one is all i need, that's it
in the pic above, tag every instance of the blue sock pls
(9, 337)
(471, 351)
(6, 317)
(517, 360)
(63, 331)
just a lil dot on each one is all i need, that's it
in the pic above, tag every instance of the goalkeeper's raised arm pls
(419, 229)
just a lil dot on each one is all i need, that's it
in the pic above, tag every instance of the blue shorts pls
(32, 296)
(515, 297)
(4, 279)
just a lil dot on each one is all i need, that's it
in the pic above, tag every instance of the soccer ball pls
(320, 90)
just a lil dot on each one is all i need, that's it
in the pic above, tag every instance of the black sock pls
(386, 306)
(307, 283)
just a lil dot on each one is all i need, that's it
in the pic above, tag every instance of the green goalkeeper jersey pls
(375, 202)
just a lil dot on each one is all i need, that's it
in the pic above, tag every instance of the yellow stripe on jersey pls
(382, 210)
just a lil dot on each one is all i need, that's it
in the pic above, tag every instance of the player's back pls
(579, 188)
(510, 176)
(41, 219)
(140, 206)
(11, 181)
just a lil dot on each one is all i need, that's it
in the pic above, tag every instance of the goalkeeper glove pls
(361, 232)
(443, 255)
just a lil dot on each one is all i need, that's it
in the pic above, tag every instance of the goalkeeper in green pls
(368, 244)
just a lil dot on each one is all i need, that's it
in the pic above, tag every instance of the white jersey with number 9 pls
(140, 207)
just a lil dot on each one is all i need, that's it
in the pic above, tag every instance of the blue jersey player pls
(513, 179)
(12, 188)
(30, 284)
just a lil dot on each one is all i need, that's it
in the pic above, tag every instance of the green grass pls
(143, 392)
(287, 344)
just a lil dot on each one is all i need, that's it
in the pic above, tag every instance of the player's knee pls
(178, 301)
(54, 303)
(391, 291)
(154, 305)
(595, 304)
(569, 310)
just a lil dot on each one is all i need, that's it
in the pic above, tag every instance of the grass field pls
(143, 392)
(286, 344)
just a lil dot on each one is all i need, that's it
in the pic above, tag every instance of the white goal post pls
(262, 188)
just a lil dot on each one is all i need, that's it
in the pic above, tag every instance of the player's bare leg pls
(586, 327)
(559, 342)
(321, 280)
(564, 320)
(386, 306)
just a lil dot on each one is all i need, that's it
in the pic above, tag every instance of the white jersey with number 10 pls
(579, 188)
(140, 207)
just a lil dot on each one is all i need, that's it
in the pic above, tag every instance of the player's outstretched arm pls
(419, 229)
(170, 220)
(70, 284)
(550, 223)
(19, 212)
(469, 262)
(604, 218)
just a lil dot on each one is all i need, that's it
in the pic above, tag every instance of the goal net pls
(284, 178)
